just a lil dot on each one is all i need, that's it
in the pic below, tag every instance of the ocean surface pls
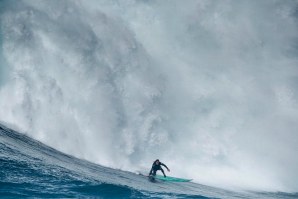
(31, 169)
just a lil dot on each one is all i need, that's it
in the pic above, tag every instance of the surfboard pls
(172, 179)
(155, 178)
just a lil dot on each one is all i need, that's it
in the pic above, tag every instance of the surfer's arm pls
(165, 166)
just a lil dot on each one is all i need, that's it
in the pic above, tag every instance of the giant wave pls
(208, 87)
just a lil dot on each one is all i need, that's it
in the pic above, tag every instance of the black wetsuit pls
(156, 167)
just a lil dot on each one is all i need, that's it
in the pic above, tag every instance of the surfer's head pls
(157, 161)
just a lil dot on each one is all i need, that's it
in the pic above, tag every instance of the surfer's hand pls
(168, 170)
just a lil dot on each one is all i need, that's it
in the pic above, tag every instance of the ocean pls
(30, 169)
(93, 91)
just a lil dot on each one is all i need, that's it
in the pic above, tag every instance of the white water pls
(208, 87)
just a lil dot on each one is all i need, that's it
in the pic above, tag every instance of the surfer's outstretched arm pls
(165, 166)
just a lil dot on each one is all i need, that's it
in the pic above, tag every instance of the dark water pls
(32, 169)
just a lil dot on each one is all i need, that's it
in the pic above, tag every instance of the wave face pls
(208, 87)
(32, 169)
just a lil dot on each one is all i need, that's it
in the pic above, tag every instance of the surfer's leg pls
(154, 172)
(163, 173)
(150, 172)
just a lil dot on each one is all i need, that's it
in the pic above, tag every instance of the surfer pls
(157, 166)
